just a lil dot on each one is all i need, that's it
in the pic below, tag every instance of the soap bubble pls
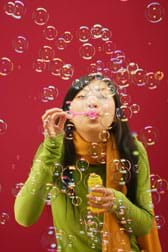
(104, 136)
(84, 34)
(3, 127)
(6, 66)
(87, 51)
(161, 185)
(49, 93)
(55, 66)
(50, 32)
(67, 36)
(106, 34)
(123, 113)
(125, 99)
(108, 47)
(67, 72)
(9, 8)
(40, 16)
(160, 221)
(151, 81)
(69, 131)
(19, 10)
(46, 53)
(159, 75)
(48, 240)
(82, 164)
(71, 176)
(4, 218)
(20, 44)
(154, 12)
(139, 77)
(135, 108)
(39, 65)
(122, 77)
(132, 67)
(61, 44)
(96, 31)
(149, 135)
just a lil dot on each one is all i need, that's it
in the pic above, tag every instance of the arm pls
(30, 200)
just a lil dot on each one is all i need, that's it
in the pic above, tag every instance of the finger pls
(50, 111)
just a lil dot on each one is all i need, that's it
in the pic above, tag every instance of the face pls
(93, 108)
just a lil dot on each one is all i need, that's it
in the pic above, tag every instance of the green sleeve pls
(136, 218)
(31, 198)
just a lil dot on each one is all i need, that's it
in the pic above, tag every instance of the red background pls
(20, 106)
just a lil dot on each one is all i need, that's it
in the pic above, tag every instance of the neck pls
(92, 137)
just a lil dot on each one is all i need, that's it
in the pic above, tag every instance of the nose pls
(92, 102)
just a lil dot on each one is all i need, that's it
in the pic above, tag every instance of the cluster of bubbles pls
(54, 239)
(16, 9)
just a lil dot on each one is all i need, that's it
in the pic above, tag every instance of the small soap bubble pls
(159, 75)
(154, 12)
(77, 84)
(20, 44)
(94, 150)
(46, 53)
(69, 131)
(96, 31)
(67, 36)
(149, 135)
(160, 221)
(55, 66)
(122, 77)
(108, 47)
(161, 185)
(48, 240)
(6, 66)
(135, 108)
(82, 164)
(115, 65)
(40, 16)
(104, 135)
(61, 44)
(125, 99)
(71, 176)
(151, 81)
(84, 34)
(50, 32)
(107, 73)
(49, 93)
(3, 127)
(19, 10)
(67, 72)
(106, 34)
(76, 201)
(4, 218)
(118, 55)
(87, 51)
(139, 77)
(92, 68)
(123, 113)
(132, 67)
(9, 8)
(39, 65)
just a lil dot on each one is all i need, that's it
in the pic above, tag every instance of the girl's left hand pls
(104, 202)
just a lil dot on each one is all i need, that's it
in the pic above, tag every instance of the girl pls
(85, 142)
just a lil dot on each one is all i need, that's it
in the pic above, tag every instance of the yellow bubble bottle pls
(94, 180)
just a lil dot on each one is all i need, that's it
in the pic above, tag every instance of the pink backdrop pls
(137, 29)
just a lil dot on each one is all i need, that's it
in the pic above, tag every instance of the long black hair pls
(124, 140)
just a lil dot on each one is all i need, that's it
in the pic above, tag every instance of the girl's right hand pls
(53, 121)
